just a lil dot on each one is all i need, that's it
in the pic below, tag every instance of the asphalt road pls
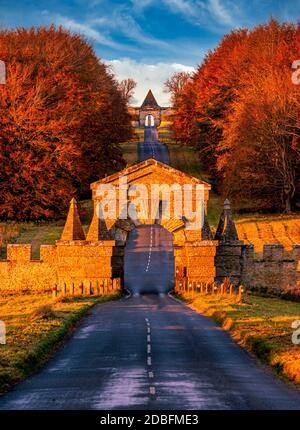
(151, 352)
(149, 260)
(151, 148)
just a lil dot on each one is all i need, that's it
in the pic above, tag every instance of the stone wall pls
(19, 272)
(210, 261)
(276, 268)
(65, 262)
(95, 260)
(205, 261)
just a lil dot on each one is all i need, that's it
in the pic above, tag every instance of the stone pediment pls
(150, 172)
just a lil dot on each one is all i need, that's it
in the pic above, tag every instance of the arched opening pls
(149, 121)
(149, 260)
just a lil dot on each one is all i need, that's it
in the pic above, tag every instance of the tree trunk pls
(288, 203)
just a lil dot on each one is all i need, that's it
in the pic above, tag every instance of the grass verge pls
(261, 325)
(130, 152)
(35, 327)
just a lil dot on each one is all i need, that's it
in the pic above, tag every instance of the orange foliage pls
(61, 116)
(241, 110)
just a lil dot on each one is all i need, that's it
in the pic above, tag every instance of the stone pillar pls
(118, 261)
(229, 251)
(200, 257)
(228, 261)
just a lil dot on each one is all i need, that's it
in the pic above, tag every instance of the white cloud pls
(87, 30)
(186, 7)
(207, 13)
(122, 21)
(220, 12)
(142, 4)
(147, 76)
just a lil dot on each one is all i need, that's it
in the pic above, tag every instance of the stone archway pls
(194, 250)
(149, 121)
(99, 256)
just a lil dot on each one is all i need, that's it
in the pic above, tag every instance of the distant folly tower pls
(150, 111)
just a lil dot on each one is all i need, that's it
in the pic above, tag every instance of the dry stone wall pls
(276, 268)
(66, 262)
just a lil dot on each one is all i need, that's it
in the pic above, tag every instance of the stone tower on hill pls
(150, 101)
(150, 111)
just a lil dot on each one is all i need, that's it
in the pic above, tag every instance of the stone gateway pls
(95, 261)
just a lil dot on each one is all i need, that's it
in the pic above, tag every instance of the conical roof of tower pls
(150, 101)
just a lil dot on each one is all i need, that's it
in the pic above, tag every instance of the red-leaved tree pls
(61, 119)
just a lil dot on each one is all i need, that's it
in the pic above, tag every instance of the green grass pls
(186, 159)
(165, 133)
(36, 325)
(41, 232)
(130, 152)
(261, 325)
(34, 233)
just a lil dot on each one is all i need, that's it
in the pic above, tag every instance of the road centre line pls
(152, 391)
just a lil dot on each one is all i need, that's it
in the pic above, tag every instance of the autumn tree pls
(240, 110)
(260, 147)
(62, 117)
(175, 84)
(126, 88)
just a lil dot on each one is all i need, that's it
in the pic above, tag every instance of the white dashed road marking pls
(150, 249)
(152, 389)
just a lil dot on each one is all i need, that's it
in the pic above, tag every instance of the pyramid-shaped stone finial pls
(97, 230)
(226, 231)
(73, 228)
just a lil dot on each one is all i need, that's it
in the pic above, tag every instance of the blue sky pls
(148, 39)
